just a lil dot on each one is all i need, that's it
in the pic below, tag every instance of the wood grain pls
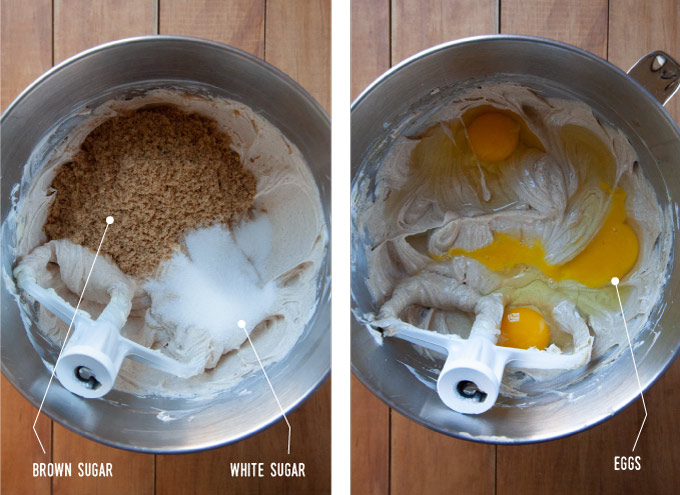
(132, 472)
(370, 442)
(578, 22)
(298, 37)
(20, 448)
(420, 458)
(78, 25)
(298, 42)
(239, 23)
(82, 24)
(208, 472)
(370, 426)
(370, 42)
(26, 44)
(583, 463)
(26, 52)
(417, 25)
(294, 35)
(424, 461)
(636, 28)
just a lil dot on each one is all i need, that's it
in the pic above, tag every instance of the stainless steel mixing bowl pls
(128, 67)
(404, 96)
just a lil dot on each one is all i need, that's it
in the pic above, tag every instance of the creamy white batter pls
(282, 244)
(551, 194)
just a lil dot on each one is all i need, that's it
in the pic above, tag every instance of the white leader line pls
(615, 283)
(242, 324)
(109, 221)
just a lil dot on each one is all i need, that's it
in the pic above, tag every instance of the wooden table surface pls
(393, 455)
(293, 35)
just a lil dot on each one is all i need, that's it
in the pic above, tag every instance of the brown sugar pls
(160, 172)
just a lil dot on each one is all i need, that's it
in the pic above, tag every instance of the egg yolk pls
(493, 136)
(523, 328)
(612, 252)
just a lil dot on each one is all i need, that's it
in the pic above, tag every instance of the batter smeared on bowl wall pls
(217, 219)
(531, 198)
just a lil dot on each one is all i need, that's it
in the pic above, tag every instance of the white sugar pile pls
(199, 297)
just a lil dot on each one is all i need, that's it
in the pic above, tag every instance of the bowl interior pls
(38, 119)
(400, 101)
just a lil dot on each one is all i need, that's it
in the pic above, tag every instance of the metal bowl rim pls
(509, 37)
(366, 93)
(144, 40)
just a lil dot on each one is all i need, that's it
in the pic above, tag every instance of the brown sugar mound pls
(160, 172)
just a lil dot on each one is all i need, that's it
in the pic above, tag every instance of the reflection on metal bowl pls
(400, 101)
(122, 69)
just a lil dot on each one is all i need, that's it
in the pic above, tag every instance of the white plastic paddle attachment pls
(470, 379)
(91, 358)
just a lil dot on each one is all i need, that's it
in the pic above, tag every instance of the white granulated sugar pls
(217, 283)
(255, 239)
(264, 272)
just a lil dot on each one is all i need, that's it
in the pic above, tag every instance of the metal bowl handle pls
(659, 74)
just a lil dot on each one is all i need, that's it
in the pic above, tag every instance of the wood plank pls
(208, 472)
(424, 461)
(417, 25)
(26, 44)
(370, 427)
(298, 42)
(132, 472)
(421, 460)
(583, 463)
(578, 22)
(26, 52)
(78, 25)
(20, 448)
(370, 442)
(239, 23)
(81, 24)
(370, 42)
(636, 28)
